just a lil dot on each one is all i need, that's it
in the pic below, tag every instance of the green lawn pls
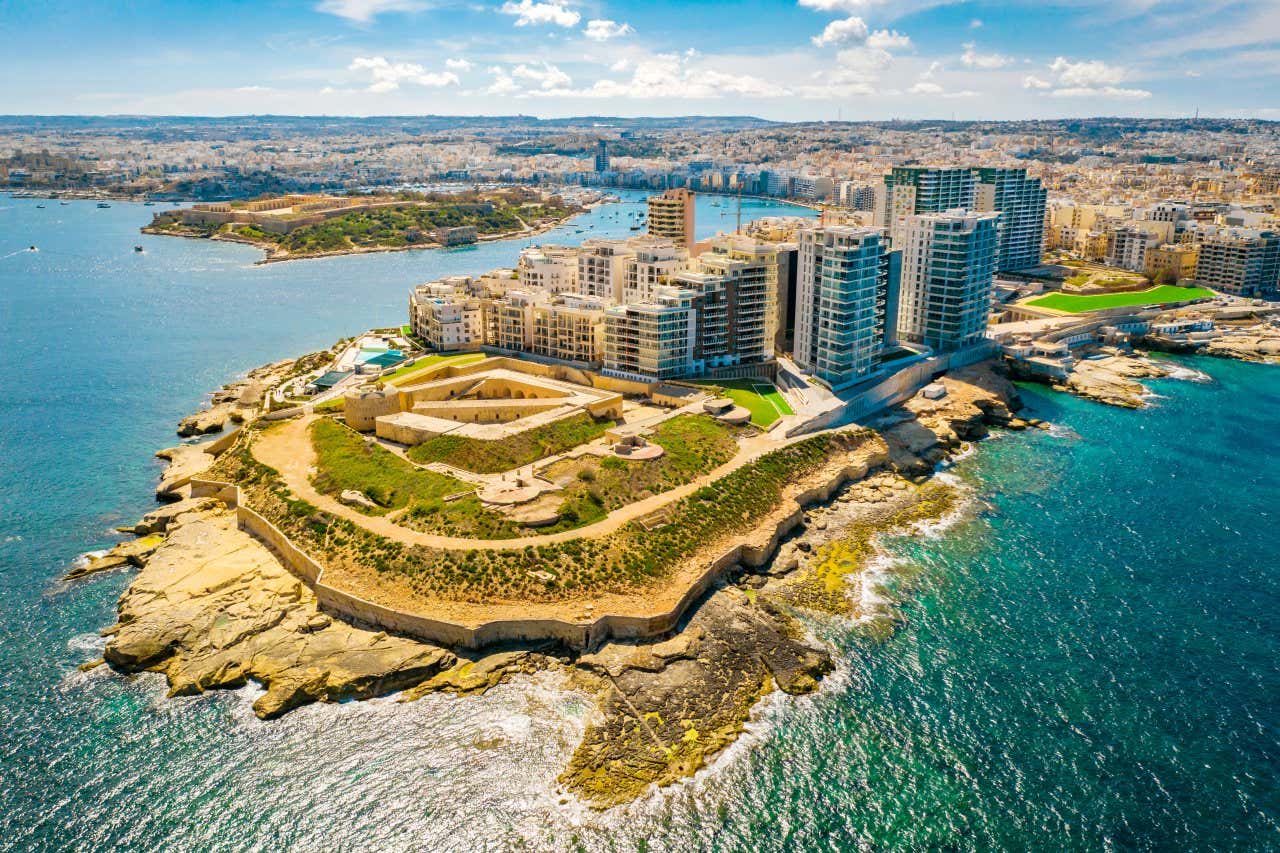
(345, 460)
(765, 403)
(694, 445)
(494, 457)
(408, 373)
(1074, 304)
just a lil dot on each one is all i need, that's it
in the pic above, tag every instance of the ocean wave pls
(1188, 374)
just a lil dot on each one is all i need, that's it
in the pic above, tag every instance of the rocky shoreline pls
(211, 608)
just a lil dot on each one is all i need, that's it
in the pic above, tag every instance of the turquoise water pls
(1088, 661)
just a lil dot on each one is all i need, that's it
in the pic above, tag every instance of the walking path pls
(288, 449)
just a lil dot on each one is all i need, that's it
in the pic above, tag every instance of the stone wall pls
(577, 636)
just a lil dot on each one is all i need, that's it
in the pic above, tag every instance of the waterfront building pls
(776, 263)
(1174, 260)
(602, 156)
(1242, 262)
(948, 269)
(652, 340)
(671, 216)
(909, 190)
(1127, 247)
(570, 327)
(844, 289)
(1020, 201)
(446, 316)
(651, 262)
(732, 310)
(550, 268)
(602, 268)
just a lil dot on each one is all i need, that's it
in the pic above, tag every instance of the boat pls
(64, 203)
(32, 248)
(40, 206)
(137, 248)
(148, 204)
(103, 204)
(635, 227)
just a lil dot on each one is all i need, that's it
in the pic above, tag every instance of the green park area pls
(345, 461)
(494, 457)
(762, 399)
(594, 486)
(1160, 295)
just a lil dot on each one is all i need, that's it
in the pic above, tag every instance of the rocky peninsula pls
(213, 607)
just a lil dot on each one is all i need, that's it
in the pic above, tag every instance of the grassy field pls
(494, 457)
(761, 398)
(694, 445)
(345, 460)
(409, 373)
(1074, 304)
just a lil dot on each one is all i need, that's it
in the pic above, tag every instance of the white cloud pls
(837, 5)
(502, 83)
(364, 11)
(1092, 72)
(987, 61)
(975, 24)
(925, 88)
(602, 30)
(621, 65)
(864, 60)
(841, 32)
(527, 13)
(888, 40)
(1031, 81)
(458, 64)
(255, 89)
(1089, 79)
(934, 68)
(1100, 92)
(1193, 73)
(544, 74)
(676, 76)
(387, 76)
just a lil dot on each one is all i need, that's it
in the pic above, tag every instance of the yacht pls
(137, 248)
(103, 204)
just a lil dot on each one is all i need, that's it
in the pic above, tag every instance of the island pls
(293, 226)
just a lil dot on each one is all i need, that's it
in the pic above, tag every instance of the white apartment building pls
(652, 340)
(550, 268)
(1127, 247)
(948, 269)
(651, 264)
(602, 268)
(446, 316)
(1242, 262)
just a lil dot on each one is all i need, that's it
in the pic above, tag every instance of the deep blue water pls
(1090, 661)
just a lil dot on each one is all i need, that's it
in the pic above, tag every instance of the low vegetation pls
(347, 461)
(693, 445)
(494, 457)
(629, 557)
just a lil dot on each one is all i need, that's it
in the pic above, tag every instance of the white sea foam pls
(1188, 374)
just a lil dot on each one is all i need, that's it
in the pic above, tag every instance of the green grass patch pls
(762, 399)
(1163, 294)
(408, 374)
(693, 445)
(494, 457)
(330, 407)
(345, 460)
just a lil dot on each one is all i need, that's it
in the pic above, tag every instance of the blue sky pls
(804, 59)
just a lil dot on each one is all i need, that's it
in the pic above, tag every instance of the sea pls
(1088, 655)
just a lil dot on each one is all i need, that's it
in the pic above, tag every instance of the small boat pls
(635, 227)
(148, 204)
(32, 248)
(40, 207)
(103, 204)
(137, 248)
(64, 203)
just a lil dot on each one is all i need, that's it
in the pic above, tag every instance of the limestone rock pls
(213, 608)
(357, 498)
(185, 461)
(669, 706)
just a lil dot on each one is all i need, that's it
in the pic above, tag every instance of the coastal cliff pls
(212, 608)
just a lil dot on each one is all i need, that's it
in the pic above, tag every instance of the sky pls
(799, 60)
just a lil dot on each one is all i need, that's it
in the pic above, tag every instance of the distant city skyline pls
(792, 61)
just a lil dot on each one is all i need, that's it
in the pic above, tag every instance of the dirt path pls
(288, 449)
